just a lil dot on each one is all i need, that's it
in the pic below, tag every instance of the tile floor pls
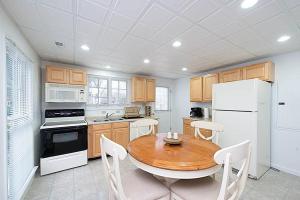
(87, 183)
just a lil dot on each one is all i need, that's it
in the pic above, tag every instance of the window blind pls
(19, 119)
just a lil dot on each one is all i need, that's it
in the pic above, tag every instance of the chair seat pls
(197, 189)
(140, 185)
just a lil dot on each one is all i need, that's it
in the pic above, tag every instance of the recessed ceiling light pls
(184, 69)
(146, 61)
(85, 47)
(176, 44)
(248, 3)
(283, 38)
(107, 67)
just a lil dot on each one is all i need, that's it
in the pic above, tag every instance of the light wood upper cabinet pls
(62, 75)
(196, 89)
(57, 75)
(150, 90)
(142, 89)
(208, 82)
(138, 89)
(231, 75)
(262, 71)
(77, 77)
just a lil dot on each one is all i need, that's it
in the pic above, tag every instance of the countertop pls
(198, 119)
(90, 120)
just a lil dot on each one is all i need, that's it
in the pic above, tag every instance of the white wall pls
(285, 141)
(9, 29)
(101, 110)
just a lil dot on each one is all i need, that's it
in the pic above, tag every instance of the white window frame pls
(169, 100)
(108, 83)
(109, 90)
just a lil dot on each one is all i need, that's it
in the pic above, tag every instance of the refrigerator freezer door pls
(238, 127)
(237, 95)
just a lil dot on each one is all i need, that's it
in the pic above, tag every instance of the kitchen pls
(80, 84)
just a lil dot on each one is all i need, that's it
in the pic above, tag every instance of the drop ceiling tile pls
(277, 26)
(91, 11)
(292, 3)
(161, 38)
(120, 22)
(66, 5)
(243, 36)
(156, 17)
(200, 9)
(175, 5)
(132, 8)
(54, 20)
(105, 3)
(143, 31)
(110, 38)
(176, 26)
(87, 28)
(221, 23)
(296, 13)
(19, 11)
(263, 13)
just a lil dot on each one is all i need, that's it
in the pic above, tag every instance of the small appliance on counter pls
(148, 111)
(63, 140)
(132, 112)
(196, 112)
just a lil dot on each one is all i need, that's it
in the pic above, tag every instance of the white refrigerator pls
(244, 108)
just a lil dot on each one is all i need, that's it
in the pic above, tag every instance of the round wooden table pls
(194, 158)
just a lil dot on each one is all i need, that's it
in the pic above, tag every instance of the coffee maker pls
(196, 112)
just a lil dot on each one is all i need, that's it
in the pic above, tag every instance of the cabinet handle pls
(281, 103)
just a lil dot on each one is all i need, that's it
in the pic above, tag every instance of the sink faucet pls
(107, 115)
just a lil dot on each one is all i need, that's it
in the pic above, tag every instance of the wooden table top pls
(192, 154)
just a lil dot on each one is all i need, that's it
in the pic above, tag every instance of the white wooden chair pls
(142, 124)
(136, 184)
(207, 188)
(216, 129)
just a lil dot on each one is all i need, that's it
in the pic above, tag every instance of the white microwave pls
(65, 93)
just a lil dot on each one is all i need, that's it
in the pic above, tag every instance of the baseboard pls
(285, 169)
(27, 184)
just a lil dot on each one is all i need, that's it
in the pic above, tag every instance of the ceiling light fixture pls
(248, 3)
(146, 61)
(107, 67)
(283, 38)
(176, 44)
(85, 47)
(184, 69)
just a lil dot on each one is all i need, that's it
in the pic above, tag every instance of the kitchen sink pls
(108, 120)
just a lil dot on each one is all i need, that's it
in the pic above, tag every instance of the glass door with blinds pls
(19, 119)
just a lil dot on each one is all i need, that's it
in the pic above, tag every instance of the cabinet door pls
(196, 89)
(150, 83)
(57, 75)
(77, 77)
(262, 71)
(96, 141)
(138, 86)
(121, 136)
(231, 75)
(208, 82)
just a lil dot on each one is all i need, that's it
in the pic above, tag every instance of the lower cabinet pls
(118, 132)
(187, 129)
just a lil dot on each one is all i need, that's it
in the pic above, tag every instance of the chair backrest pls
(233, 185)
(112, 171)
(145, 123)
(216, 129)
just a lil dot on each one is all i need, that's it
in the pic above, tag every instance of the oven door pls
(58, 141)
